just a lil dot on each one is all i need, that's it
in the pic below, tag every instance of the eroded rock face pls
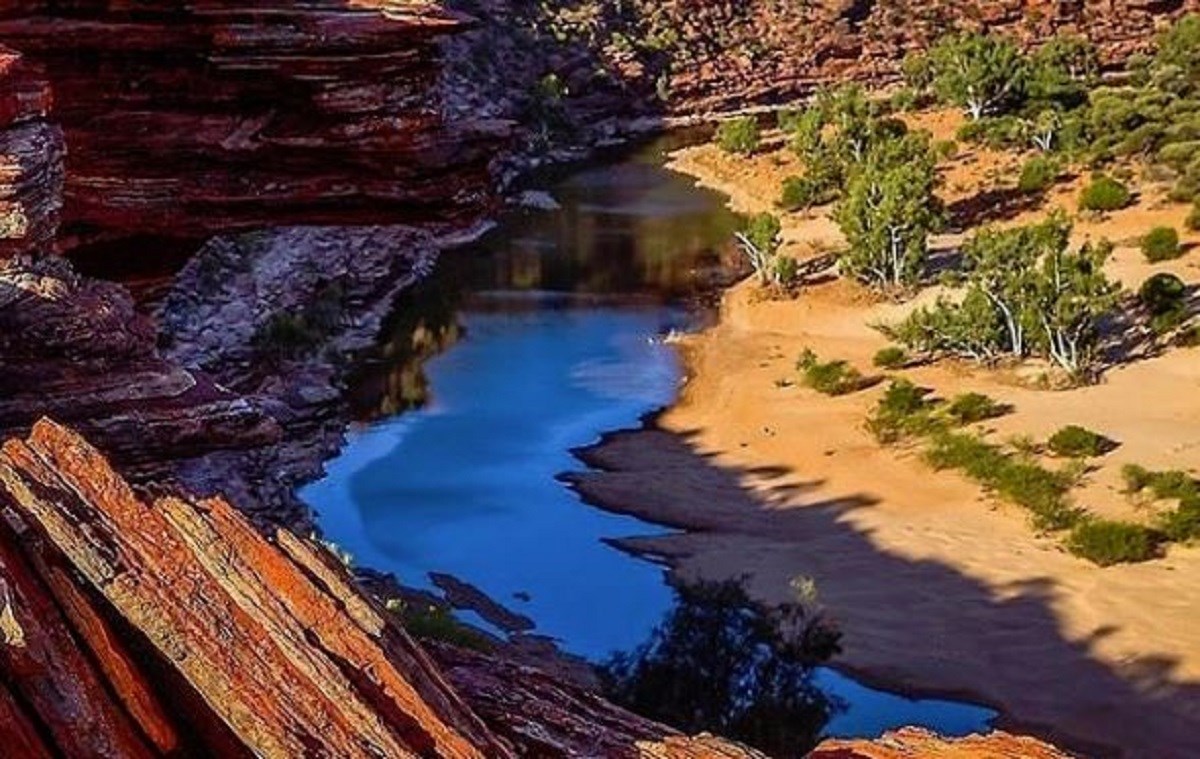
(77, 349)
(132, 627)
(183, 119)
(662, 58)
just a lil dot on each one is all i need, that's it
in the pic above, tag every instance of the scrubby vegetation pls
(830, 377)
(1103, 193)
(1161, 244)
(1078, 442)
(891, 357)
(1164, 296)
(438, 623)
(970, 408)
(1107, 542)
(290, 335)
(1038, 174)
(760, 243)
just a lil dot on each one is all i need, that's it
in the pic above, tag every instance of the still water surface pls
(536, 341)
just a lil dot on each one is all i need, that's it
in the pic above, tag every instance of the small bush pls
(833, 378)
(891, 357)
(1165, 297)
(903, 411)
(802, 193)
(1078, 442)
(1024, 483)
(1104, 193)
(438, 623)
(1161, 244)
(970, 408)
(1182, 523)
(1165, 485)
(740, 136)
(1038, 174)
(1107, 542)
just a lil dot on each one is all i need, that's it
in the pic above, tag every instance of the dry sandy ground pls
(938, 588)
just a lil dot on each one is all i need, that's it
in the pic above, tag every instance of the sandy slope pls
(937, 587)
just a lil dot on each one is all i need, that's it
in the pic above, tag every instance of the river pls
(537, 340)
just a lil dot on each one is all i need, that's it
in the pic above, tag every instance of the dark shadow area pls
(955, 636)
(998, 204)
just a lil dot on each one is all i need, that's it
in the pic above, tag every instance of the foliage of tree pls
(1026, 294)
(1077, 442)
(740, 136)
(1061, 70)
(720, 663)
(888, 212)
(984, 74)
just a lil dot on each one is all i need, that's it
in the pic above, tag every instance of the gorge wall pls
(183, 119)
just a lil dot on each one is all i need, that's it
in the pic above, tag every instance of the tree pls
(1179, 49)
(760, 242)
(888, 212)
(1072, 297)
(1002, 265)
(740, 136)
(1043, 128)
(1061, 70)
(1027, 293)
(983, 73)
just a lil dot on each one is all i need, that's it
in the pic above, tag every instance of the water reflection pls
(719, 663)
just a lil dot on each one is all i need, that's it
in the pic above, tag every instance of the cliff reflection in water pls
(624, 233)
(719, 663)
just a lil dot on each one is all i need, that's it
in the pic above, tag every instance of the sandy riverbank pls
(938, 588)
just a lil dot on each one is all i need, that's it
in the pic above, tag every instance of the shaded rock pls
(77, 349)
(31, 159)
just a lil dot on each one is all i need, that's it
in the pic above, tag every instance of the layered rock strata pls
(77, 349)
(185, 119)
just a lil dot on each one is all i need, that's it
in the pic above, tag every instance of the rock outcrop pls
(184, 119)
(133, 626)
(77, 349)
(913, 743)
(622, 65)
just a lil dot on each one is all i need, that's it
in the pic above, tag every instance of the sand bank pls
(939, 589)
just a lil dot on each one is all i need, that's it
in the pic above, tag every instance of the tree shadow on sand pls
(953, 636)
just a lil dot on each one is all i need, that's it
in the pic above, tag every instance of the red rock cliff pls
(186, 118)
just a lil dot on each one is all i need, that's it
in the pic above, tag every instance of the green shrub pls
(739, 136)
(1165, 297)
(1182, 523)
(1161, 244)
(970, 408)
(891, 357)
(1038, 174)
(285, 335)
(438, 623)
(904, 410)
(1107, 542)
(1170, 484)
(1104, 193)
(1078, 442)
(830, 378)
(804, 192)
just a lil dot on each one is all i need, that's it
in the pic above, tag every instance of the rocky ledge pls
(134, 625)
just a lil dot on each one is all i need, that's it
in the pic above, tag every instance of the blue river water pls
(469, 416)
